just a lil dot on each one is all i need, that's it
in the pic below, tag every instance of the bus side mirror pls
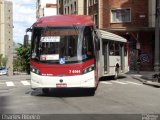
(28, 30)
(26, 39)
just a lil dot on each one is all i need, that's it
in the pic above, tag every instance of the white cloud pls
(24, 15)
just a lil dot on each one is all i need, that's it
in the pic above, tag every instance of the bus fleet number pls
(74, 71)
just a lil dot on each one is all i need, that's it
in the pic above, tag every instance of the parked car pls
(3, 71)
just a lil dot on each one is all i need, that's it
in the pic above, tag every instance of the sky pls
(24, 15)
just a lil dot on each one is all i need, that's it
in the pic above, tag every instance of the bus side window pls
(111, 48)
(117, 49)
(125, 49)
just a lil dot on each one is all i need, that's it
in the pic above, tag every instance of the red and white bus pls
(68, 52)
(64, 53)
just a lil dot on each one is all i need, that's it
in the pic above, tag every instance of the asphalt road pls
(124, 96)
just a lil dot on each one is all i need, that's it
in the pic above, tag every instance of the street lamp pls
(157, 37)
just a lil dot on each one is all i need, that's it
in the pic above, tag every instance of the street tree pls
(23, 58)
(3, 60)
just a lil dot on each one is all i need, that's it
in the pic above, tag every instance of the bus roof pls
(111, 36)
(64, 20)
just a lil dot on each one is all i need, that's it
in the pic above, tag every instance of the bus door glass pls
(106, 56)
(87, 44)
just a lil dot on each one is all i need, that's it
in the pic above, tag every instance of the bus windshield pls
(60, 45)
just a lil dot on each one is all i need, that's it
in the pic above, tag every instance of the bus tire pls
(91, 91)
(45, 90)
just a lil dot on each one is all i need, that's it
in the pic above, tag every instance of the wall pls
(139, 12)
(46, 8)
(142, 18)
(152, 6)
(6, 31)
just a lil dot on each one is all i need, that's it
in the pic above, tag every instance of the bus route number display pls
(50, 39)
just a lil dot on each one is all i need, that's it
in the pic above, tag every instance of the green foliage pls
(22, 63)
(3, 60)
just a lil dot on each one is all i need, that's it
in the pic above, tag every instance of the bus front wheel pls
(45, 90)
(91, 91)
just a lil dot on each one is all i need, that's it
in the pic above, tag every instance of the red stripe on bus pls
(62, 70)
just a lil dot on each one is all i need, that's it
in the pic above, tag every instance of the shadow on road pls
(3, 104)
(109, 78)
(68, 92)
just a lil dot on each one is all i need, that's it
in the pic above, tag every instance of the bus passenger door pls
(106, 56)
(122, 54)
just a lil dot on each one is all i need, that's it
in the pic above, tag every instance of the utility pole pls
(157, 37)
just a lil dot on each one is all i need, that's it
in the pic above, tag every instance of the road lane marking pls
(133, 83)
(138, 75)
(119, 82)
(10, 84)
(105, 82)
(25, 83)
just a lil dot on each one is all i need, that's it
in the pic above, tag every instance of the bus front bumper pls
(81, 81)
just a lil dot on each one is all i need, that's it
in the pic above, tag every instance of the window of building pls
(65, 10)
(75, 7)
(91, 2)
(51, 5)
(96, 20)
(95, 1)
(121, 15)
(72, 9)
(68, 10)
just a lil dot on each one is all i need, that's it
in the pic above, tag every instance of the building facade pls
(132, 19)
(6, 32)
(46, 8)
(68, 7)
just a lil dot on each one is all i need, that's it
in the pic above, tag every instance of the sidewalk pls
(145, 77)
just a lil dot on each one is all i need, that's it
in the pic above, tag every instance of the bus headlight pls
(88, 69)
(35, 70)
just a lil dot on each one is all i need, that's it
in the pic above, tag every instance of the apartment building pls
(68, 7)
(132, 19)
(6, 32)
(46, 8)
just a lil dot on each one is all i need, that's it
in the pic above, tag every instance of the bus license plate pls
(61, 85)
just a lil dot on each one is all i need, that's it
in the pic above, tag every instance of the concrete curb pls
(155, 84)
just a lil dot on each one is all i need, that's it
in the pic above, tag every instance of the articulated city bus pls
(68, 52)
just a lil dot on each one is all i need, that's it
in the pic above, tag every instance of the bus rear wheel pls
(45, 90)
